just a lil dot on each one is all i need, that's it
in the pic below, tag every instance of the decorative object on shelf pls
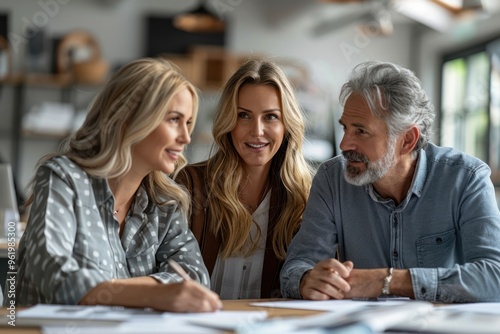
(78, 54)
(40, 120)
(208, 67)
(199, 20)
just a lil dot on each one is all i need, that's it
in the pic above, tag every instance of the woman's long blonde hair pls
(290, 175)
(129, 107)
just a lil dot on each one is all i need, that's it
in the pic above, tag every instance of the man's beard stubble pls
(374, 170)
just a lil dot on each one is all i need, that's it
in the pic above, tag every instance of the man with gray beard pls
(395, 214)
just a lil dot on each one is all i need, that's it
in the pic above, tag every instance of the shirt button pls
(395, 254)
(120, 265)
(423, 290)
(244, 267)
(439, 241)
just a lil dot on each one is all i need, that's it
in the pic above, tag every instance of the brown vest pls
(193, 177)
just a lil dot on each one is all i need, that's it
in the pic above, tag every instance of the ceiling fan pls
(372, 17)
(376, 17)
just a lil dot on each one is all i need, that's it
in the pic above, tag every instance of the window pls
(470, 104)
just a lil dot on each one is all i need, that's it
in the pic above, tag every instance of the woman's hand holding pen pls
(186, 296)
(145, 291)
(189, 296)
(327, 280)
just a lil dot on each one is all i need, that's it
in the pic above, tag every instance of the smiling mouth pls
(256, 145)
(176, 153)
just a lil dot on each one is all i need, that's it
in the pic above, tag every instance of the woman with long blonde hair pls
(248, 198)
(105, 216)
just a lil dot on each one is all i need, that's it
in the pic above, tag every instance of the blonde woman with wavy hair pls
(248, 198)
(106, 218)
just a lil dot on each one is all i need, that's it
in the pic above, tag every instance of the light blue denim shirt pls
(446, 231)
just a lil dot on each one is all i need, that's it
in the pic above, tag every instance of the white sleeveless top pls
(240, 277)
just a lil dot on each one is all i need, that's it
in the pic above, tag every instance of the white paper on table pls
(342, 306)
(452, 321)
(70, 316)
(378, 315)
(178, 323)
(489, 308)
(80, 312)
(150, 326)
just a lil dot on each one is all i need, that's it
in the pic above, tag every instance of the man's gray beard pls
(374, 170)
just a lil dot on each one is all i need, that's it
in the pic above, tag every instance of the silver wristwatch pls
(387, 282)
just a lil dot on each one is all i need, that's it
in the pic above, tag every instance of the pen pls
(368, 299)
(178, 269)
(379, 299)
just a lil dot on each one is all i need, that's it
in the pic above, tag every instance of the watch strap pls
(387, 283)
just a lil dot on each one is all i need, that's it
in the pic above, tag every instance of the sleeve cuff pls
(424, 281)
(291, 288)
(166, 277)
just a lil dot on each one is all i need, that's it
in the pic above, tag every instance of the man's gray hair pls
(395, 95)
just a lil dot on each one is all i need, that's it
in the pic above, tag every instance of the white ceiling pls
(324, 18)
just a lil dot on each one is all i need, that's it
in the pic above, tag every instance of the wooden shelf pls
(55, 81)
(48, 80)
(207, 67)
(44, 80)
(12, 79)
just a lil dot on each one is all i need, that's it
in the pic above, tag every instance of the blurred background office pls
(54, 55)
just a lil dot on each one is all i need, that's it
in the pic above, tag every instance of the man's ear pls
(410, 139)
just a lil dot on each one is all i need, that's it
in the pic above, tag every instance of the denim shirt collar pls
(416, 187)
(420, 174)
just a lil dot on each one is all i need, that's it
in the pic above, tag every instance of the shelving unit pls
(23, 82)
(16, 81)
(207, 67)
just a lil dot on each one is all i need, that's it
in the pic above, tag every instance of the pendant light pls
(199, 20)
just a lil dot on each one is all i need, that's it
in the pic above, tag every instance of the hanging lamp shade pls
(199, 20)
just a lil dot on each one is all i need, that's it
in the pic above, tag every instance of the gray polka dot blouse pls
(72, 243)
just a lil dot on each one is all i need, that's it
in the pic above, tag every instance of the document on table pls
(55, 319)
(488, 308)
(343, 306)
(398, 316)
(375, 315)
(450, 320)
(41, 314)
